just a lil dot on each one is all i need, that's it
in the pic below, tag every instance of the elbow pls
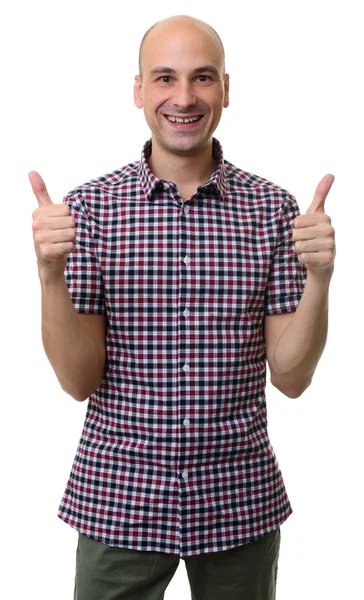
(80, 394)
(293, 392)
(292, 389)
(80, 397)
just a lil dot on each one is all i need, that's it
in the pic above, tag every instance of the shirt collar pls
(215, 185)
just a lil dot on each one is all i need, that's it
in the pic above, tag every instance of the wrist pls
(322, 275)
(50, 275)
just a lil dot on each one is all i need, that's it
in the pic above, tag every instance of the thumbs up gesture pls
(54, 230)
(314, 234)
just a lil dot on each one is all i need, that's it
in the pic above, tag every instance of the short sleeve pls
(287, 276)
(83, 272)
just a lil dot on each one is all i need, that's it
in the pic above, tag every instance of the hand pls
(53, 229)
(314, 234)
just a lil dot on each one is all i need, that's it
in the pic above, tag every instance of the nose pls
(184, 96)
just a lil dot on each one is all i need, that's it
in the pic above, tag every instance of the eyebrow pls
(204, 69)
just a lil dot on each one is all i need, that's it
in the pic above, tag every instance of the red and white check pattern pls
(174, 455)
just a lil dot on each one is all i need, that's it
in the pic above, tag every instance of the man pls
(184, 275)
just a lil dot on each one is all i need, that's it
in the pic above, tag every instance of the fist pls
(314, 235)
(54, 230)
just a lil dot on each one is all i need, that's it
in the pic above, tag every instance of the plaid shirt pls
(174, 455)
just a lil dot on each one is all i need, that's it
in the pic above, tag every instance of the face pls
(184, 89)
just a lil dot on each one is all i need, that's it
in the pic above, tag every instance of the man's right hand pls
(53, 229)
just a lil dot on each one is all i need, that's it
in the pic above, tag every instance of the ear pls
(226, 90)
(138, 92)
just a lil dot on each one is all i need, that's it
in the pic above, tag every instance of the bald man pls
(167, 286)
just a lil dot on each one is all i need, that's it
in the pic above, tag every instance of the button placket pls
(184, 338)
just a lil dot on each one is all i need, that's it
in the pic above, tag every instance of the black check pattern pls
(174, 455)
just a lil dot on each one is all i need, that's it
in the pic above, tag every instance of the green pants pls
(247, 572)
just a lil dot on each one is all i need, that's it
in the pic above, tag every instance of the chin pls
(185, 145)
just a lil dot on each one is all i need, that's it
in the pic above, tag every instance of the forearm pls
(300, 346)
(69, 346)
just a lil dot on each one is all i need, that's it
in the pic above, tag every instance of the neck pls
(187, 171)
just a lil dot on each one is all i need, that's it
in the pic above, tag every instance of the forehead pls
(181, 47)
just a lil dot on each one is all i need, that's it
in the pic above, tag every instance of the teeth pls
(178, 120)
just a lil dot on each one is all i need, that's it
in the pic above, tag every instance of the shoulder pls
(256, 190)
(104, 187)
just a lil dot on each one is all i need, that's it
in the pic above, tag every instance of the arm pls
(295, 342)
(74, 343)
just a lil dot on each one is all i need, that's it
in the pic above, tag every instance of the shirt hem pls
(153, 548)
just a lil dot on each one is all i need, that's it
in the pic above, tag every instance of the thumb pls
(39, 189)
(323, 188)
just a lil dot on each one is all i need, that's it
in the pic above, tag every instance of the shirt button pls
(186, 368)
(186, 260)
(186, 422)
(185, 474)
(186, 210)
(186, 312)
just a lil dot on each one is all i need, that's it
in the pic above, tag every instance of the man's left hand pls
(314, 234)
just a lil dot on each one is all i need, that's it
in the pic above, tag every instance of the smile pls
(183, 120)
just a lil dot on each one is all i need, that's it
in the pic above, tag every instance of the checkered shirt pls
(174, 455)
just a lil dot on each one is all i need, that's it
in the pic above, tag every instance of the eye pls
(165, 79)
(203, 78)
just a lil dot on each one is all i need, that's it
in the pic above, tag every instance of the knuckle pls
(42, 237)
(39, 214)
(37, 235)
(61, 210)
(326, 230)
(45, 252)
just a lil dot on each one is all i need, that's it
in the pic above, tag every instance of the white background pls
(296, 113)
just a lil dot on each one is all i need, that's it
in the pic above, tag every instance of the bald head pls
(182, 21)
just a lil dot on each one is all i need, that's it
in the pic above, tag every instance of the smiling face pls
(183, 88)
